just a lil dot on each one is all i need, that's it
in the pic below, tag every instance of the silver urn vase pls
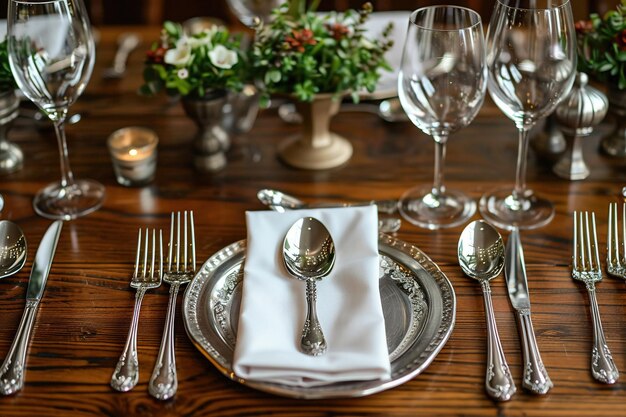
(11, 156)
(211, 141)
(615, 143)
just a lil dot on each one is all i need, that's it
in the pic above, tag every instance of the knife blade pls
(13, 369)
(535, 377)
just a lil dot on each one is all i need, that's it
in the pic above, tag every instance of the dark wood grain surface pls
(84, 316)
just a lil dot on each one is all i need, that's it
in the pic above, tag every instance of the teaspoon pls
(481, 256)
(279, 201)
(12, 248)
(309, 255)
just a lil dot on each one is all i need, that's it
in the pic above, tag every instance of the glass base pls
(501, 209)
(420, 207)
(67, 203)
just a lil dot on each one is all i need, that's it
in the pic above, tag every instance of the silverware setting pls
(127, 43)
(535, 377)
(147, 275)
(388, 110)
(279, 201)
(309, 255)
(181, 268)
(13, 369)
(481, 257)
(616, 260)
(586, 268)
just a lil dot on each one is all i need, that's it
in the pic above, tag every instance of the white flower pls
(179, 56)
(204, 37)
(183, 73)
(222, 57)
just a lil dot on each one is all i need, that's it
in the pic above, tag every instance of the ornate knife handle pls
(164, 382)
(536, 377)
(13, 369)
(498, 382)
(126, 372)
(602, 366)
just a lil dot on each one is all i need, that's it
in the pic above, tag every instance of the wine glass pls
(532, 65)
(51, 54)
(247, 11)
(441, 85)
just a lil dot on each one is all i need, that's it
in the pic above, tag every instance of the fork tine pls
(146, 248)
(620, 259)
(575, 250)
(178, 241)
(136, 274)
(169, 258)
(185, 239)
(160, 275)
(153, 254)
(611, 237)
(193, 243)
(595, 267)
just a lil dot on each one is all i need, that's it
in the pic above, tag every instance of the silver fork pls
(181, 268)
(615, 262)
(148, 274)
(586, 268)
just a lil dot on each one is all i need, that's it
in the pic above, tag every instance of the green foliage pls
(304, 53)
(185, 65)
(7, 82)
(602, 46)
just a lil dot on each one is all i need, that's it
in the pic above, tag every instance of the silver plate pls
(418, 302)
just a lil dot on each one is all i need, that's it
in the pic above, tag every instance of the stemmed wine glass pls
(51, 54)
(532, 65)
(247, 11)
(441, 85)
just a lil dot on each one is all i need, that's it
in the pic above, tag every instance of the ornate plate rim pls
(421, 362)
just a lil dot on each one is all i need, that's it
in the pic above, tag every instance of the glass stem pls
(67, 178)
(440, 159)
(520, 173)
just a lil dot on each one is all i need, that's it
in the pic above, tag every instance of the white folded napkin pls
(273, 304)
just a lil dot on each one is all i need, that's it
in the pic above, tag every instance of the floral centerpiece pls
(304, 53)
(201, 68)
(7, 82)
(195, 65)
(11, 156)
(602, 46)
(315, 59)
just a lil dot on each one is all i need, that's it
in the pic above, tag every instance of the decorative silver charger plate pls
(418, 302)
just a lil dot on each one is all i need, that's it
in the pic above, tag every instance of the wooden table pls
(84, 316)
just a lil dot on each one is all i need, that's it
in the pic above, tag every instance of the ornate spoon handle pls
(536, 377)
(164, 382)
(13, 369)
(498, 382)
(313, 341)
(126, 373)
(602, 366)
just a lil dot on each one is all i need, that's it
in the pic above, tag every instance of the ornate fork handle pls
(126, 373)
(603, 368)
(536, 377)
(13, 369)
(164, 382)
(499, 381)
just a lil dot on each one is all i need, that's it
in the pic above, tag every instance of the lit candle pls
(133, 151)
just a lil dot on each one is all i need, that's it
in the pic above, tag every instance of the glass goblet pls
(532, 64)
(441, 86)
(51, 54)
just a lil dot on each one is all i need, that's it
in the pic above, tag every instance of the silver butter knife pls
(536, 377)
(13, 369)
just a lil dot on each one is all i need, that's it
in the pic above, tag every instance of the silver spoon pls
(481, 256)
(309, 255)
(127, 42)
(12, 248)
(279, 201)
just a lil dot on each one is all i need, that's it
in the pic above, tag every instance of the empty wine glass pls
(532, 64)
(441, 86)
(51, 54)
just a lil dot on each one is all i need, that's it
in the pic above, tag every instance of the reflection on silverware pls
(389, 110)
(616, 261)
(536, 377)
(13, 248)
(127, 42)
(481, 256)
(586, 268)
(279, 201)
(148, 274)
(181, 268)
(12, 371)
(309, 255)
(418, 301)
